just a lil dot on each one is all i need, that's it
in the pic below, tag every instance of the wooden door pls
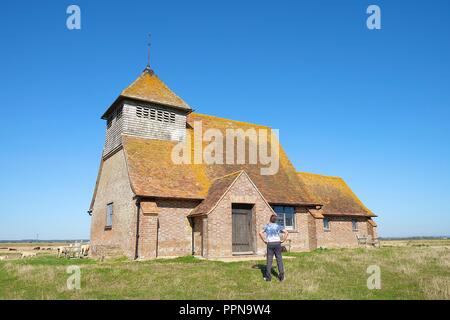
(242, 229)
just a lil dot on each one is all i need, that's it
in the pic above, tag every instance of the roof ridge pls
(236, 121)
(153, 74)
(149, 88)
(317, 181)
(227, 175)
(320, 175)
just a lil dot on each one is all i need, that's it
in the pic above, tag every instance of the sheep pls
(61, 251)
(28, 255)
(85, 250)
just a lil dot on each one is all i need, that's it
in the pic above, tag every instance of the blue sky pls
(370, 106)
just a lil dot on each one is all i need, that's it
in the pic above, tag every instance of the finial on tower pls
(149, 44)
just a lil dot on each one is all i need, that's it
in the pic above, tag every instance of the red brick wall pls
(148, 235)
(341, 234)
(300, 236)
(175, 231)
(372, 231)
(219, 221)
(312, 228)
(169, 233)
(114, 186)
(198, 239)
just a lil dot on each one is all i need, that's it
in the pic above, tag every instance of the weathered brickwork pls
(219, 221)
(175, 231)
(148, 235)
(170, 232)
(341, 234)
(372, 231)
(312, 230)
(113, 187)
(299, 237)
(198, 239)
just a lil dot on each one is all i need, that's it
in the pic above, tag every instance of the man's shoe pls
(267, 279)
(281, 277)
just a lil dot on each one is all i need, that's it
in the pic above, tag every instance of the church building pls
(146, 206)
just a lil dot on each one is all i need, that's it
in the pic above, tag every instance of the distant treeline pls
(41, 241)
(416, 238)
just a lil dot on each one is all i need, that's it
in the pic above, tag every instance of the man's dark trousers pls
(274, 248)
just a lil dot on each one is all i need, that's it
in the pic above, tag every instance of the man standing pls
(271, 236)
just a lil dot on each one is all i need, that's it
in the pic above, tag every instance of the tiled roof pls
(148, 87)
(153, 173)
(216, 191)
(335, 195)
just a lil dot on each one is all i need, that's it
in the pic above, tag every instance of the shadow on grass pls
(262, 268)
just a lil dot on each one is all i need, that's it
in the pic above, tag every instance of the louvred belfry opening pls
(148, 109)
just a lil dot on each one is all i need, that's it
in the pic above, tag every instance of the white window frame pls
(283, 214)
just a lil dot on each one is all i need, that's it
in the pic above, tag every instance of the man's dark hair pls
(273, 218)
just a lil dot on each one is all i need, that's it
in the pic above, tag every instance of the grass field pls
(409, 270)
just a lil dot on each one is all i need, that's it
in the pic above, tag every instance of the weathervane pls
(149, 44)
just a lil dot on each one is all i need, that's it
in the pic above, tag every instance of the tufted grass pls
(408, 271)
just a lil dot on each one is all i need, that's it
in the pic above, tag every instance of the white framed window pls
(326, 224)
(109, 216)
(354, 225)
(285, 216)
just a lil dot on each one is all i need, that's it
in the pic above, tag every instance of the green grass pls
(407, 272)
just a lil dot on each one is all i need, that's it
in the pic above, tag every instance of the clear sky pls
(372, 106)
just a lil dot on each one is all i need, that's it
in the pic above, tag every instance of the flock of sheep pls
(74, 250)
